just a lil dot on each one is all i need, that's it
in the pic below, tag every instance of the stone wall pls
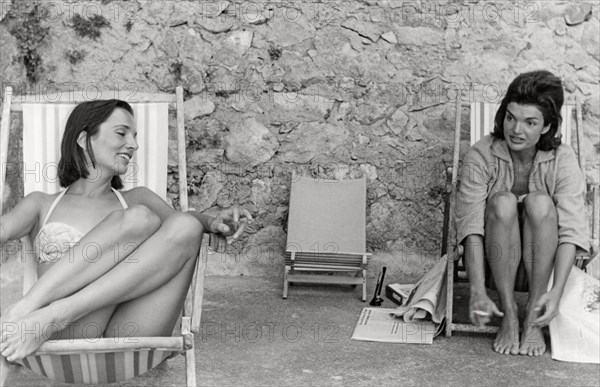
(325, 88)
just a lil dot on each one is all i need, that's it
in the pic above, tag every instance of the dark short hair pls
(542, 89)
(86, 116)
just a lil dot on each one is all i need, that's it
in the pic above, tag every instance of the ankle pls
(509, 307)
(60, 312)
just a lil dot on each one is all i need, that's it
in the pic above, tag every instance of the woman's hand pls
(548, 302)
(481, 309)
(231, 222)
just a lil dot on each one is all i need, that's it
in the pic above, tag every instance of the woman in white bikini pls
(111, 263)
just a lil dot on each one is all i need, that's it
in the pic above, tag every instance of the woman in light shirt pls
(521, 206)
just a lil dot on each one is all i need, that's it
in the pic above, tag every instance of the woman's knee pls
(183, 228)
(539, 206)
(139, 220)
(502, 206)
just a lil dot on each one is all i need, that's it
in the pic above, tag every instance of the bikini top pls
(56, 238)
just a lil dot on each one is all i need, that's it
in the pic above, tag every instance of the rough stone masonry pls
(332, 89)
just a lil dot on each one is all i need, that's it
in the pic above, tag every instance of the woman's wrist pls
(477, 290)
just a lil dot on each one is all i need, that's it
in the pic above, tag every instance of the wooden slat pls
(325, 279)
(326, 258)
(473, 328)
(5, 130)
(451, 239)
(181, 145)
(340, 255)
(190, 356)
(117, 344)
(325, 268)
(580, 155)
(78, 96)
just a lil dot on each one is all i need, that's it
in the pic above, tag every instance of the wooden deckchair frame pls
(191, 315)
(302, 257)
(455, 252)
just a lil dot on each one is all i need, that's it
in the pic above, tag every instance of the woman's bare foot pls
(532, 339)
(8, 327)
(507, 339)
(14, 313)
(23, 336)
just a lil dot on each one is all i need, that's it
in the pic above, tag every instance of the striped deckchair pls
(326, 232)
(109, 360)
(482, 123)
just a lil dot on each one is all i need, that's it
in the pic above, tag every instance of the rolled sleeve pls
(472, 193)
(569, 199)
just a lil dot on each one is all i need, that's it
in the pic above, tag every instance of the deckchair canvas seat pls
(109, 360)
(96, 368)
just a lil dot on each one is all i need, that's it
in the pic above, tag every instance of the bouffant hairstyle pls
(542, 89)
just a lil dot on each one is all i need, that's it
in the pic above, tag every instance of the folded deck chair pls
(326, 232)
(482, 124)
(107, 360)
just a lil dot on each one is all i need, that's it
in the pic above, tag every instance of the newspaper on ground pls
(379, 324)
(575, 331)
(418, 320)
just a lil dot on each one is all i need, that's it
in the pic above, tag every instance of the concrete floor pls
(251, 336)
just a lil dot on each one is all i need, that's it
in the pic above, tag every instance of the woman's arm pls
(481, 307)
(475, 174)
(19, 221)
(563, 263)
(569, 198)
(474, 254)
(229, 222)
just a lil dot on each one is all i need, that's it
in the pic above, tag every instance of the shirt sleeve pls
(474, 175)
(569, 199)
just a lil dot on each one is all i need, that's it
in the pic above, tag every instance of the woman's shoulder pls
(146, 197)
(564, 149)
(483, 148)
(139, 195)
(486, 142)
(36, 202)
(40, 198)
(565, 154)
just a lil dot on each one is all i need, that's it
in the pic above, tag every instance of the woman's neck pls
(89, 187)
(524, 157)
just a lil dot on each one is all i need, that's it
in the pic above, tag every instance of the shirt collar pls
(500, 150)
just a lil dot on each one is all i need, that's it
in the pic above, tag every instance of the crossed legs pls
(135, 288)
(505, 245)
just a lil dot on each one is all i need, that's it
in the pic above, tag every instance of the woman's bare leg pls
(153, 314)
(161, 258)
(107, 244)
(501, 235)
(540, 240)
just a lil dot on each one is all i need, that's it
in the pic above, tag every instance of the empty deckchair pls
(326, 232)
(109, 360)
(482, 123)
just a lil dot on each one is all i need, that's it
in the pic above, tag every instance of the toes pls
(514, 350)
(7, 351)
